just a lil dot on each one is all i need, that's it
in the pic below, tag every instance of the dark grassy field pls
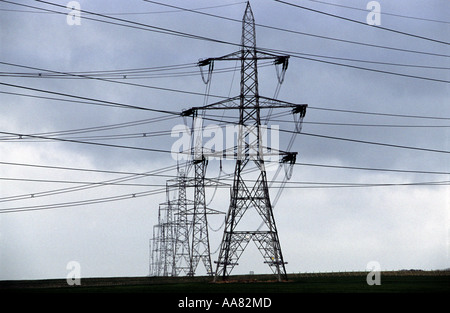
(391, 282)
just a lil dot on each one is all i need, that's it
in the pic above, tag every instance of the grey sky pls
(321, 229)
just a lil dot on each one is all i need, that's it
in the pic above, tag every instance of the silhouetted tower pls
(250, 204)
(200, 246)
(244, 198)
(182, 253)
(250, 196)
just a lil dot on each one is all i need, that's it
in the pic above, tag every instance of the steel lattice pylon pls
(249, 200)
(244, 197)
(200, 239)
(170, 251)
(180, 239)
(250, 195)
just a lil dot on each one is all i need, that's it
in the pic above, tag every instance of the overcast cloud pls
(321, 229)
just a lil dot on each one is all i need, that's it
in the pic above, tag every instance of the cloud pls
(320, 229)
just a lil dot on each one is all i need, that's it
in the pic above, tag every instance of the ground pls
(343, 282)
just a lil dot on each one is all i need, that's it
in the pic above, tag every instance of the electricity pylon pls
(170, 252)
(250, 196)
(176, 251)
(180, 239)
(200, 246)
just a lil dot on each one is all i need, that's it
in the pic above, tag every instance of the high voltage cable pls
(365, 125)
(133, 70)
(177, 33)
(322, 135)
(142, 135)
(152, 173)
(265, 26)
(109, 75)
(161, 133)
(116, 104)
(309, 185)
(83, 202)
(148, 27)
(138, 13)
(88, 143)
(134, 25)
(358, 112)
(87, 185)
(369, 142)
(90, 184)
(380, 114)
(77, 169)
(113, 81)
(21, 136)
(384, 13)
(106, 127)
(371, 169)
(302, 56)
(309, 107)
(355, 140)
(163, 190)
(96, 101)
(298, 32)
(171, 112)
(362, 23)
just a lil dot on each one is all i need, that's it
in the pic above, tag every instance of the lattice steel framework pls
(249, 199)
(180, 239)
(245, 197)
(200, 239)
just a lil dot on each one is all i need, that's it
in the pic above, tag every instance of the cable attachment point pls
(299, 112)
(281, 62)
(189, 112)
(206, 62)
(288, 161)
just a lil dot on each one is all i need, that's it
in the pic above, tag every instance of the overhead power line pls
(130, 196)
(160, 72)
(362, 23)
(351, 140)
(305, 57)
(21, 136)
(301, 33)
(381, 114)
(134, 24)
(177, 113)
(161, 172)
(345, 167)
(95, 101)
(370, 142)
(137, 13)
(374, 169)
(88, 142)
(112, 81)
(211, 115)
(384, 13)
(83, 202)
(192, 36)
(177, 33)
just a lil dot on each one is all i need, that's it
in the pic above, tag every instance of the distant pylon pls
(180, 239)
(200, 246)
(182, 254)
(200, 238)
